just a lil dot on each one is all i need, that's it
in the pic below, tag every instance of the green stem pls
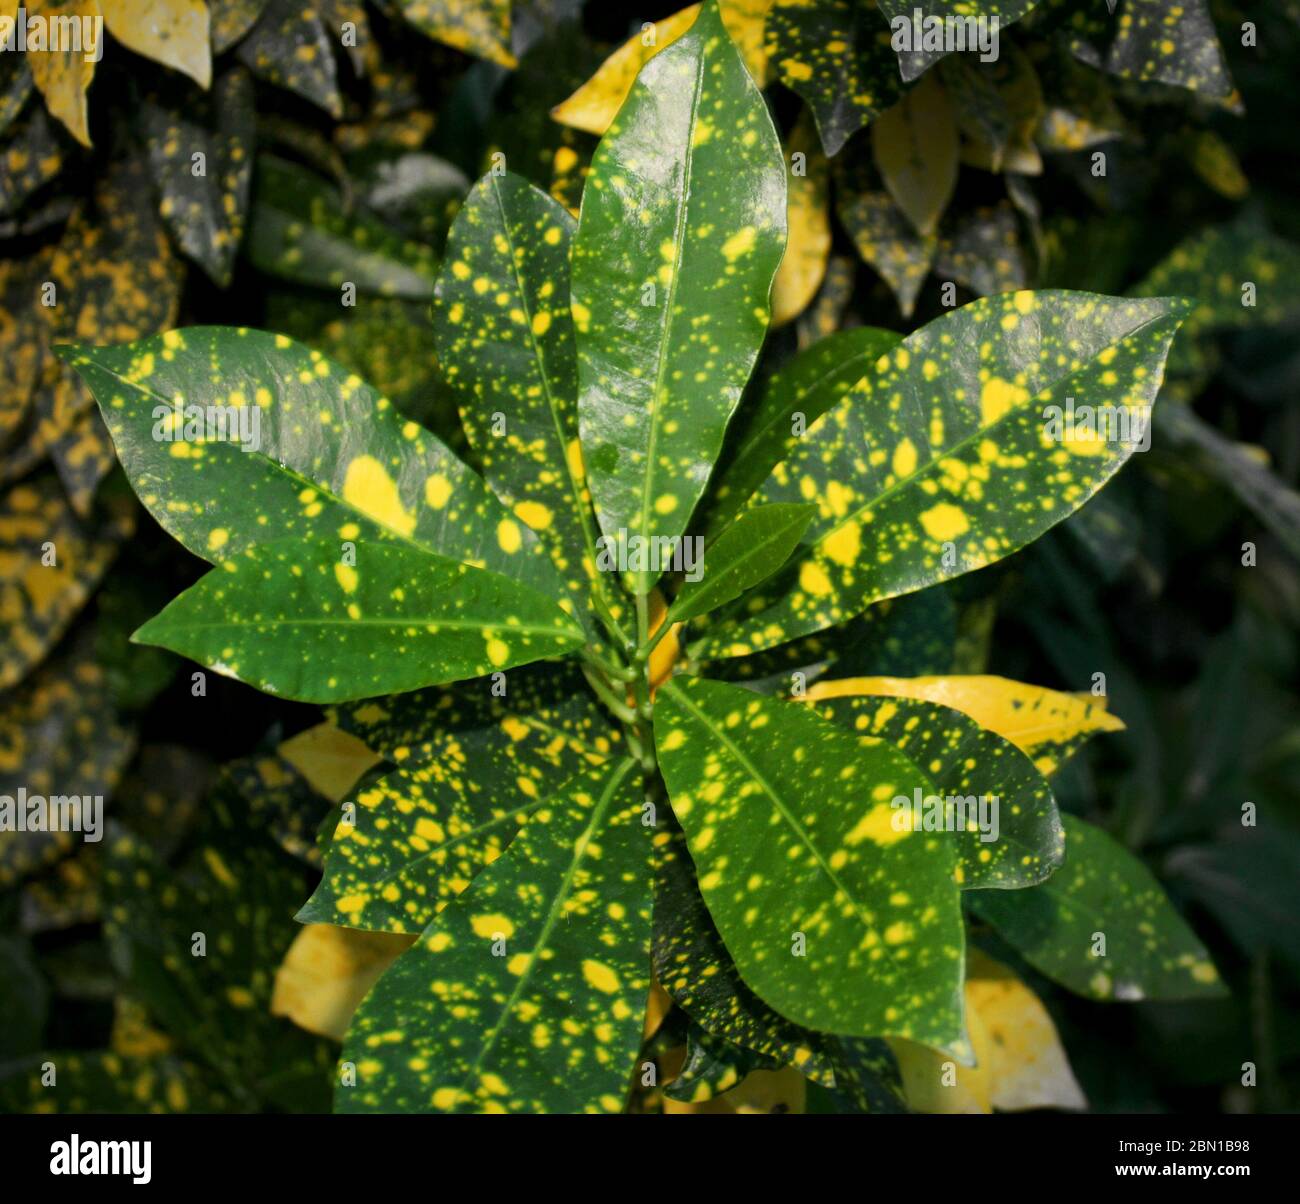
(624, 712)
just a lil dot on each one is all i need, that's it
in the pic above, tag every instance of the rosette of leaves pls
(569, 783)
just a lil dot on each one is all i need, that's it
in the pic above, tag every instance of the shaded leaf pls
(480, 27)
(712, 1066)
(292, 48)
(230, 21)
(915, 148)
(299, 230)
(808, 218)
(836, 55)
(913, 56)
(885, 240)
(205, 213)
(1150, 952)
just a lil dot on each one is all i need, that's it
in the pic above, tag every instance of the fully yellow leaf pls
(593, 106)
(1020, 1062)
(62, 76)
(915, 146)
(330, 759)
(328, 971)
(171, 32)
(1046, 725)
(808, 245)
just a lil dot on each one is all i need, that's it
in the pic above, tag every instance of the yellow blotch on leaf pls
(372, 491)
(944, 521)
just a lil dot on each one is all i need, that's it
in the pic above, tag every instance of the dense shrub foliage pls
(524, 511)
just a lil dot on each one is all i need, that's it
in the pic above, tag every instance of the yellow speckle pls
(843, 544)
(489, 926)
(813, 579)
(346, 576)
(541, 323)
(536, 515)
(666, 503)
(372, 491)
(600, 976)
(437, 489)
(498, 651)
(508, 536)
(944, 521)
(998, 396)
(878, 827)
(218, 537)
(904, 459)
(740, 243)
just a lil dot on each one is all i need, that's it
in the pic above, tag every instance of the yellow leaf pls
(330, 759)
(658, 1005)
(63, 76)
(171, 32)
(1037, 721)
(1020, 1062)
(808, 246)
(327, 972)
(593, 106)
(915, 146)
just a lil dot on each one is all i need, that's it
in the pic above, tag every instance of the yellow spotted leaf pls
(63, 76)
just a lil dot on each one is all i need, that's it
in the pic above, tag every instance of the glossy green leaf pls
(682, 231)
(794, 397)
(419, 835)
(205, 212)
(528, 993)
(694, 967)
(300, 230)
(836, 55)
(1017, 840)
(294, 619)
(1102, 891)
(757, 544)
(308, 476)
(946, 458)
(505, 343)
(832, 914)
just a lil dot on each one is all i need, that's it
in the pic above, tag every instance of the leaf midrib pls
(666, 327)
(614, 783)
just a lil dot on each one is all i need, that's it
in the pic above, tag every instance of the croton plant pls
(623, 678)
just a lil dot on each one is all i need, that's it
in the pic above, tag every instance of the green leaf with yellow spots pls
(230, 21)
(1004, 820)
(1046, 725)
(682, 230)
(979, 432)
(198, 945)
(297, 469)
(59, 738)
(528, 993)
(31, 157)
(205, 212)
(836, 55)
(794, 397)
(886, 240)
(1102, 927)
(475, 763)
(713, 1065)
(480, 27)
(296, 619)
(300, 230)
(1156, 40)
(549, 702)
(694, 967)
(292, 47)
(919, 37)
(757, 544)
(907, 636)
(504, 337)
(99, 1081)
(50, 564)
(835, 913)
